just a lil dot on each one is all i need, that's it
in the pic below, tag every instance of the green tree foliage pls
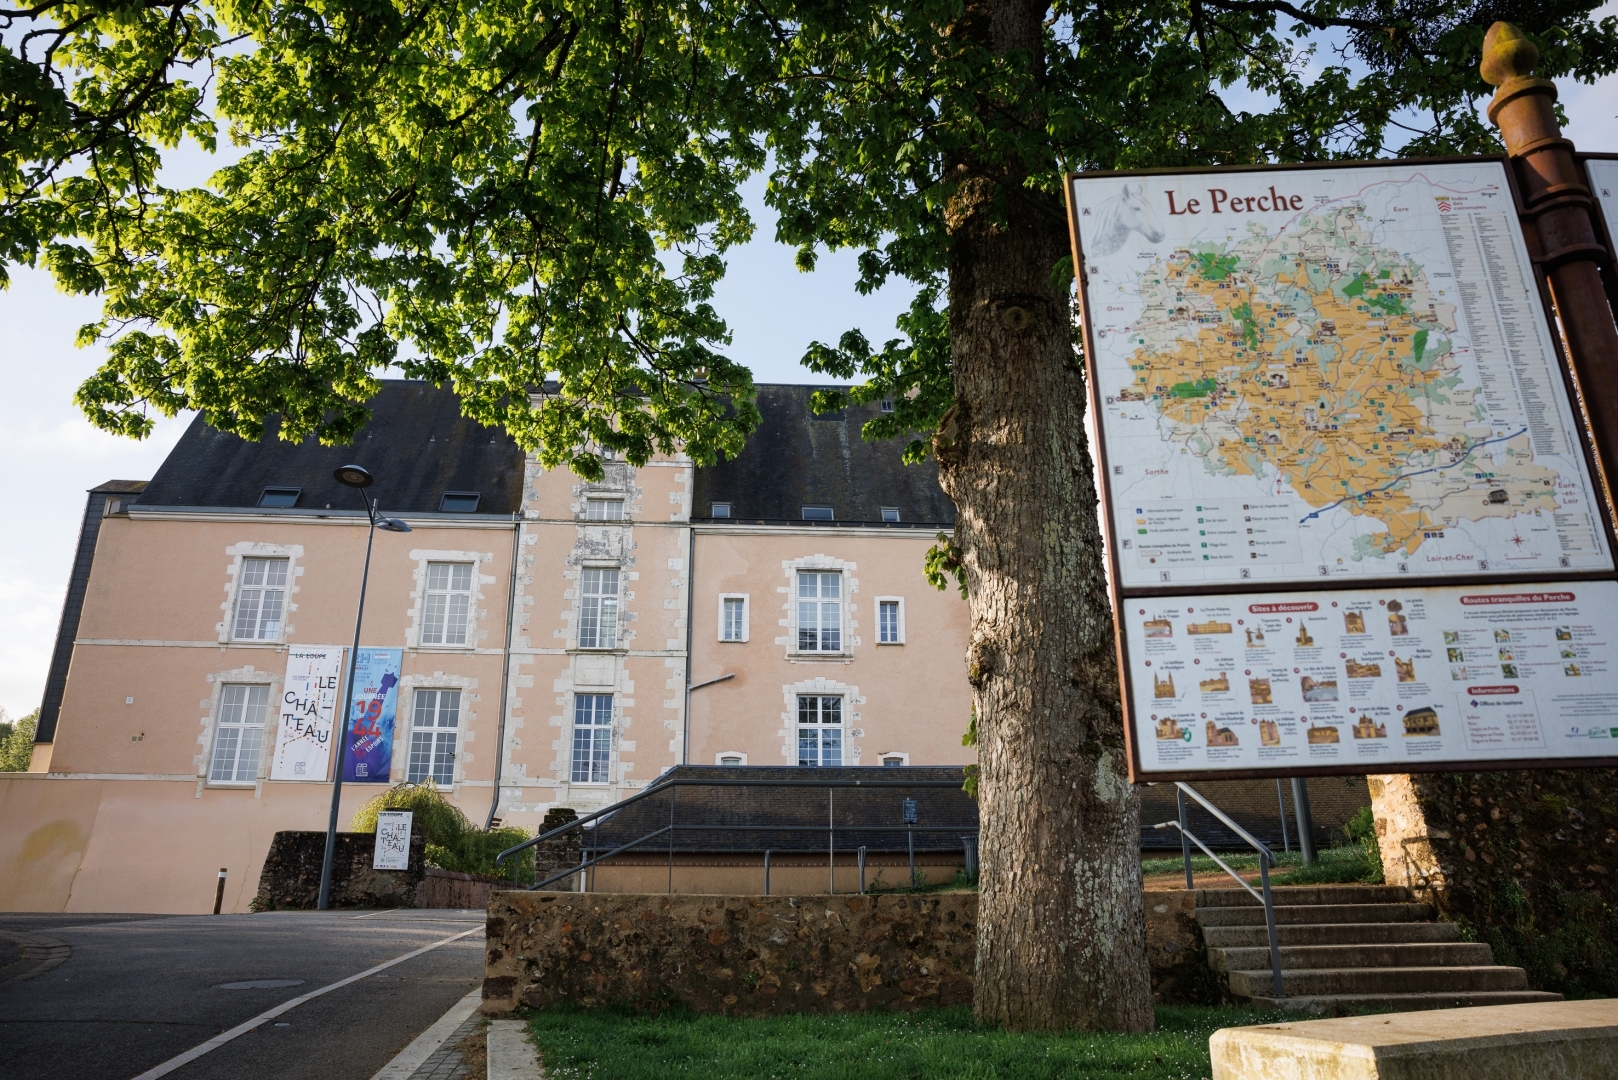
(504, 195)
(452, 841)
(17, 742)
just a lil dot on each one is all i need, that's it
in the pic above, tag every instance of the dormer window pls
(720, 510)
(280, 496)
(887, 404)
(459, 502)
(890, 513)
(818, 513)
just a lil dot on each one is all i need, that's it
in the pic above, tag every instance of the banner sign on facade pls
(309, 701)
(392, 840)
(370, 729)
(1341, 380)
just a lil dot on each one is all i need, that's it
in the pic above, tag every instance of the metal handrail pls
(1226, 820)
(672, 784)
(662, 785)
(1266, 858)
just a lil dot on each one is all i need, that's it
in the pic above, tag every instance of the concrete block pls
(512, 1055)
(1561, 1040)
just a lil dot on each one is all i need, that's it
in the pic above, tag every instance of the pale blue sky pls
(51, 454)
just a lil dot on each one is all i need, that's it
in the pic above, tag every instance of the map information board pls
(1375, 680)
(1341, 373)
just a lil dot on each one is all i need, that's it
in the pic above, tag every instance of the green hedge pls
(453, 842)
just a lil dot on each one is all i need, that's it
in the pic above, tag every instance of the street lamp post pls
(355, 477)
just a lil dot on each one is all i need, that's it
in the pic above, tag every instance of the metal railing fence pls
(670, 788)
(1266, 859)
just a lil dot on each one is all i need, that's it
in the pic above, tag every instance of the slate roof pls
(417, 445)
(797, 459)
(794, 818)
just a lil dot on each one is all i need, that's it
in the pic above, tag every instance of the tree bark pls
(1062, 935)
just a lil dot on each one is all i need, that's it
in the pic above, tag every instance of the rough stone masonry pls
(774, 954)
(730, 954)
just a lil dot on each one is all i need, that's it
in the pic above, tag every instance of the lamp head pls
(393, 525)
(353, 476)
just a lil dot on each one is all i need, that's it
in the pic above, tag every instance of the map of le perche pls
(1324, 359)
(1325, 363)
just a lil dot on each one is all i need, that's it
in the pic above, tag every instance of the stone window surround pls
(851, 585)
(242, 676)
(615, 734)
(878, 602)
(575, 597)
(404, 722)
(475, 617)
(251, 549)
(827, 687)
(719, 758)
(746, 617)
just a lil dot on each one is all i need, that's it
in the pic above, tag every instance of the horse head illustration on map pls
(1124, 213)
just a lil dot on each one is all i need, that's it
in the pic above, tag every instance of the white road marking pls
(428, 1042)
(287, 1006)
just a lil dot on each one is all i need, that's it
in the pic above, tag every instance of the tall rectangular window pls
(238, 734)
(448, 603)
(820, 730)
(603, 509)
(887, 622)
(734, 627)
(592, 738)
(598, 608)
(259, 599)
(820, 611)
(434, 726)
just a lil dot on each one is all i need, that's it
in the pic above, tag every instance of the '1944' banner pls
(370, 728)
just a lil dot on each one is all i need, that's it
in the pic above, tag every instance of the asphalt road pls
(132, 991)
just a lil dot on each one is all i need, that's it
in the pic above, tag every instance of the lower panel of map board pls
(1376, 679)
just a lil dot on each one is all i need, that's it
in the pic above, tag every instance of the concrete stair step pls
(1386, 980)
(1294, 914)
(1232, 937)
(1361, 1003)
(1306, 895)
(1381, 955)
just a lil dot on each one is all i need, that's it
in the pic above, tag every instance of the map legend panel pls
(1336, 373)
(1374, 680)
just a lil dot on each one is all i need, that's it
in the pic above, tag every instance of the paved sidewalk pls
(447, 1062)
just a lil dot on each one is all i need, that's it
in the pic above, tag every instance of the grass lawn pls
(934, 1045)
(1335, 866)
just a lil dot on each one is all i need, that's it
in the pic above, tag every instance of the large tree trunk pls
(1062, 936)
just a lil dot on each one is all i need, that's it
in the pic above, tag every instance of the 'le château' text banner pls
(307, 707)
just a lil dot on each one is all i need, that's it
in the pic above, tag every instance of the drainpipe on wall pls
(690, 607)
(505, 668)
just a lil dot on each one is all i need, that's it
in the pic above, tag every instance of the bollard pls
(219, 893)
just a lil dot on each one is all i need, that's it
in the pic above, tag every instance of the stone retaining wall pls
(1525, 861)
(450, 889)
(773, 954)
(290, 879)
